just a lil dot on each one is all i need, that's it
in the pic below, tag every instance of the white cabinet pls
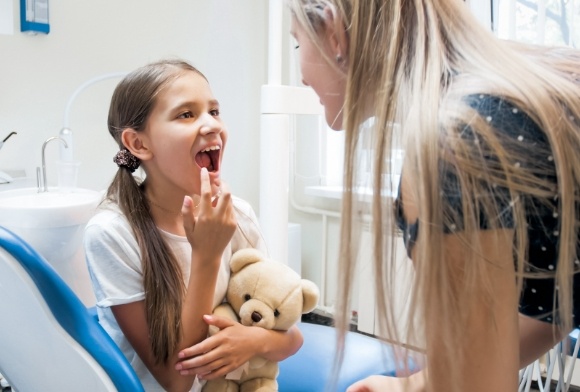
(367, 303)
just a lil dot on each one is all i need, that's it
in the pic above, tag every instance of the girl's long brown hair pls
(131, 104)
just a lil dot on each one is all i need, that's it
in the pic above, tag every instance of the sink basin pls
(26, 207)
(53, 223)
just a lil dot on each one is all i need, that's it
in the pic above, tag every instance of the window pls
(543, 22)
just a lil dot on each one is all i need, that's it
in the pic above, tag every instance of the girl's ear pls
(136, 143)
(336, 35)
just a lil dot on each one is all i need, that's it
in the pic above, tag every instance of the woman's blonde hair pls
(414, 62)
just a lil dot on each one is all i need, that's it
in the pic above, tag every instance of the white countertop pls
(19, 180)
(335, 192)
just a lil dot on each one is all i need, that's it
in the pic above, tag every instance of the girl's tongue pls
(203, 159)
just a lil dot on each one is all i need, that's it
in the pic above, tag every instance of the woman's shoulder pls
(485, 104)
(471, 113)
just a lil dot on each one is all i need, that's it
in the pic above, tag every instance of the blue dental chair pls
(310, 369)
(49, 341)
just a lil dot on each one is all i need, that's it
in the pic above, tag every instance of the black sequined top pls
(537, 299)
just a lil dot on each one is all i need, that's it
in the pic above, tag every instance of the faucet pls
(44, 183)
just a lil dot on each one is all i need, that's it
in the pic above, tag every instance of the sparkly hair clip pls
(123, 158)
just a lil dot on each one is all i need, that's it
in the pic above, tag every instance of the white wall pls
(225, 39)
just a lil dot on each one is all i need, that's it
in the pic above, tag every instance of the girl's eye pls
(185, 115)
(214, 112)
(297, 47)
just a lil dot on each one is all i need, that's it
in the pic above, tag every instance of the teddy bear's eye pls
(247, 297)
(276, 313)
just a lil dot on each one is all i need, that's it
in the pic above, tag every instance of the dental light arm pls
(66, 154)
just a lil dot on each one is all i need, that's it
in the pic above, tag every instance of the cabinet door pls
(367, 305)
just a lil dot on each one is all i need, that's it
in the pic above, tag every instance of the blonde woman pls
(158, 250)
(489, 197)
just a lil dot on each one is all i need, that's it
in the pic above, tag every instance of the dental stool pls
(49, 341)
(310, 369)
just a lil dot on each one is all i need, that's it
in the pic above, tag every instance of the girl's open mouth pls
(209, 158)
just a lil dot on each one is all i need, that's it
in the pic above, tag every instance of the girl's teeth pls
(211, 148)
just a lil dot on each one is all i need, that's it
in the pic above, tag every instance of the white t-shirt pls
(114, 262)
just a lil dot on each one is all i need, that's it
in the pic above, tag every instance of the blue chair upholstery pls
(39, 331)
(49, 340)
(310, 369)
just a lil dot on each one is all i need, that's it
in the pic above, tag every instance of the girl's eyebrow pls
(184, 104)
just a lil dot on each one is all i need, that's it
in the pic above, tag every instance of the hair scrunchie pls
(123, 158)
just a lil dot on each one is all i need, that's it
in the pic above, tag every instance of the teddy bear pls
(267, 294)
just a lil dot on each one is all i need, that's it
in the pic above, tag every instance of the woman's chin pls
(334, 121)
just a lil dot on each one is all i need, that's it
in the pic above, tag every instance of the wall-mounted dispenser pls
(34, 16)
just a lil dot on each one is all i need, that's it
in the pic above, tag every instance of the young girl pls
(158, 249)
(489, 200)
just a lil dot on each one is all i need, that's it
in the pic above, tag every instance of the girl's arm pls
(208, 235)
(234, 345)
(132, 321)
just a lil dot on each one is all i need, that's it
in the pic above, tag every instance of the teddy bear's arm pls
(223, 310)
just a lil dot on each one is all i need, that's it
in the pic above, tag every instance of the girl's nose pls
(210, 125)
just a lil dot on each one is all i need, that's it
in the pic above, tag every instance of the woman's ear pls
(336, 35)
(136, 143)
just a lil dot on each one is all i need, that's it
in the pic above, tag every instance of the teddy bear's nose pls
(256, 317)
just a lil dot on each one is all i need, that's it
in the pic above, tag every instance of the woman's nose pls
(210, 125)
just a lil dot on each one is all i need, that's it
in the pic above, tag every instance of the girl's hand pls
(212, 229)
(221, 353)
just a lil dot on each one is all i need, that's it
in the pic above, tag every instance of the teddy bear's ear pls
(310, 295)
(244, 257)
